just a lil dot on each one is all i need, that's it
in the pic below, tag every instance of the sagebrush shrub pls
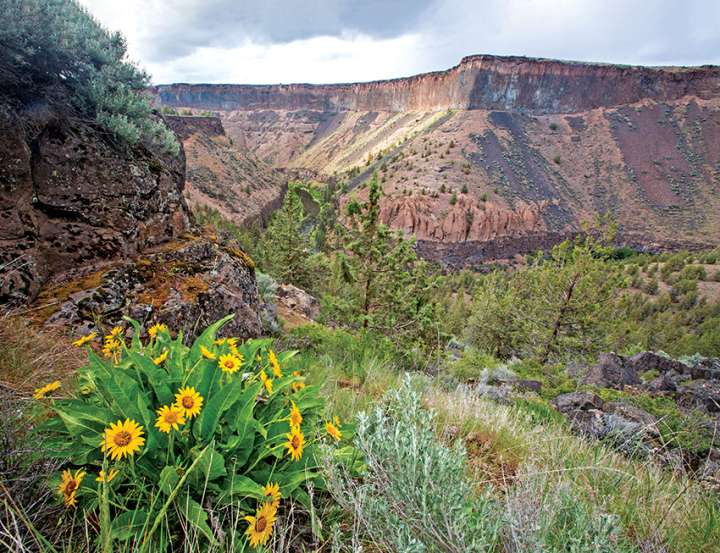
(414, 496)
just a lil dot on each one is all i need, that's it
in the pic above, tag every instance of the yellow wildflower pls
(157, 327)
(40, 393)
(122, 439)
(272, 491)
(298, 384)
(116, 331)
(260, 526)
(160, 359)
(230, 363)
(189, 401)
(170, 417)
(295, 415)
(84, 339)
(295, 443)
(69, 486)
(274, 364)
(333, 431)
(206, 353)
(111, 474)
(267, 382)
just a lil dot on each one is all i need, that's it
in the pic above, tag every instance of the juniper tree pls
(286, 248)
(389, 290)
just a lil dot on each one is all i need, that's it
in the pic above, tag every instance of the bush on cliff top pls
(54, 48)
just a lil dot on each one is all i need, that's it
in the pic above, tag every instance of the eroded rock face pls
(478, 82)
(69, 197)
(224, 175)
(188, 285)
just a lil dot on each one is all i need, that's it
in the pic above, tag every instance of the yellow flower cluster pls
(113, 343)
(41, 393)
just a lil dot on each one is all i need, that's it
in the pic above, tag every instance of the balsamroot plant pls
(160, 436)
(414, 496)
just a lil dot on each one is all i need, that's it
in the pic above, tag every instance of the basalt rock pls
(187, 285)
(70, 196)
(612, 371)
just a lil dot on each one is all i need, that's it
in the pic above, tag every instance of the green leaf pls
(157, 377)
(239, 486)
(197, 517)
(209, 418)
(211, 466)
(128, 524)
(168, 479)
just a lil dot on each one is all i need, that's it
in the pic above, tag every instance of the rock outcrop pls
(92, 230)
(528, 147)
(187, 284)
(477, 82)
(69, 196)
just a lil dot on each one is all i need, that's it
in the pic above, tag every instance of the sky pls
(331, 41)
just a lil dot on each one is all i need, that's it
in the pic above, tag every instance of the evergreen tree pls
(389, 288)
(286, 248)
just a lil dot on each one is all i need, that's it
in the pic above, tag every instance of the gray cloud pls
(189, 24)
(331, 40)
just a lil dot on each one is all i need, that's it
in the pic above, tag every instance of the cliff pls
(225, 176)
(477, 82)
(499, 147)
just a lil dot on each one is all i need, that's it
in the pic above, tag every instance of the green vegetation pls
(56, 50)
(157, 430)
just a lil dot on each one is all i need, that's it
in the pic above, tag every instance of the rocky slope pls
(225, 176)
(501, 147)
(91, 230)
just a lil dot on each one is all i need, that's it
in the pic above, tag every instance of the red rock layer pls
(478, 82)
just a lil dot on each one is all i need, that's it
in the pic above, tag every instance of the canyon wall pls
(499, 148)
(477, 82)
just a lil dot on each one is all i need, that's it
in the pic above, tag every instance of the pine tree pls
(286, 248)
(391, 289)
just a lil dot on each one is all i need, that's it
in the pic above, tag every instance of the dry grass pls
(655, 505)
(31, 357)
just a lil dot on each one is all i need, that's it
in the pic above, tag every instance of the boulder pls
(297, 300)
(632, 418)
(706, 369)
(611, 371)
(577, 401)
(528, 385)
(187, 285)
(701, 394)
(648, 360)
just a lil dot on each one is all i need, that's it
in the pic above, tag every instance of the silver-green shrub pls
(413, 497)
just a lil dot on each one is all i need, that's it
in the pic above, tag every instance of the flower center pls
(70, 487)
(261, 524)
(229, 364)
(171, 417)
(188, 402)
(296, 442)
(122, 438)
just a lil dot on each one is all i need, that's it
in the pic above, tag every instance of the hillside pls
(224, 176)
(501, 147)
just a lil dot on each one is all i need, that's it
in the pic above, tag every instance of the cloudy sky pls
(322, 41)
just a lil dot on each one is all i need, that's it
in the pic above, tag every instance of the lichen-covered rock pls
(298, 301)
(187, 285)
(70, 196)
(611, 371)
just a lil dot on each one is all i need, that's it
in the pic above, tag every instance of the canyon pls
(496, 150)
